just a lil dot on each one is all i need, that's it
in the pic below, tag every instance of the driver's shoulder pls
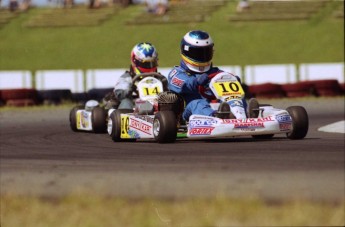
(178, 71)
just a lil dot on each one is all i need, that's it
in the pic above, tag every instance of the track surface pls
(41, 156)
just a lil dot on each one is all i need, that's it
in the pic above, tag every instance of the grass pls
(85, 210)
(319, 39)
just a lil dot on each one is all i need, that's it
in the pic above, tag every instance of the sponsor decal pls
(283, 118)
(84, 117)
(250, 125)
(177, 82)
(285, 126)
(145, 118)
(140, 126)
(248, 122)
(202, 122)
(201, 131)
(248, 129)
(173, 73)
(133, 134)
(234, 103)
(202, 117)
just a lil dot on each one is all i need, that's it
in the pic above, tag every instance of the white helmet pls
(197, 51)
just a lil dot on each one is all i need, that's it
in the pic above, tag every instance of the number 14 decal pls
(151, 91)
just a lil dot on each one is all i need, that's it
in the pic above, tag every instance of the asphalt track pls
(41, 156)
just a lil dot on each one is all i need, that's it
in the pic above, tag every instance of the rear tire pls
(300, 122)
(73, 117)
(114, 124)
(99, 120)
(165, 127)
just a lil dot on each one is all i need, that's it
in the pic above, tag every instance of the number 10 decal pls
(233, 89)
(124, 127)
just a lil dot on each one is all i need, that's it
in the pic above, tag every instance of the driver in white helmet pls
(144, 59)
(193, 72)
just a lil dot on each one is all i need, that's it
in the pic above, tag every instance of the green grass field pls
(319, 39)
(98, 211)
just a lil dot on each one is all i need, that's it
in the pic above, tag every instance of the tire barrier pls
(342, 85)
(327, 87)
(19, 97)
(2, 102)
(80, 97)
(30, 97)
(21, 102)
(99, 93)
(55, 96)
(299, 89)
(22, 93)
(266, 90)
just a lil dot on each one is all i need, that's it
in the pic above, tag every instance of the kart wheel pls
(99, 120)
(73, 117)
(165, 127)
(300, 122)
(114, 124)
(263, 137)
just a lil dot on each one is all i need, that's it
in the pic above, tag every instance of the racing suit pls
(123, 91)
(185, 82)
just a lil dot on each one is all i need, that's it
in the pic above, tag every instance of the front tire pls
(73, 117)
(114, 124)
(99, 120)
(165, 127)
(300, 122)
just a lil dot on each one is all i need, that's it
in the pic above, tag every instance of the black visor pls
(146, 65)
(199, 54)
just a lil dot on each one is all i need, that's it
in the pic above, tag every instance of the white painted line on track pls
(337, 127)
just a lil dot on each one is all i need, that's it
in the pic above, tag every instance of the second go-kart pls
(93, 116)
(162, 121)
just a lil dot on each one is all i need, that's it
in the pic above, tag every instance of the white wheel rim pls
(110, 126)
(156, 127)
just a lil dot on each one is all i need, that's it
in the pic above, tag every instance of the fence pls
(80, 81)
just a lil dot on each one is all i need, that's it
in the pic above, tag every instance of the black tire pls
(300, 122)
(165, 127)
(99, 120)
(114, 130)
(263, 137)
(73, 117)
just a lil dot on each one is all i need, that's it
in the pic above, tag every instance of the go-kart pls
(93, 116)
(163, 123)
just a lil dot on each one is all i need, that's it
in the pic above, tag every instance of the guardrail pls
(22, 88)
(81, 81)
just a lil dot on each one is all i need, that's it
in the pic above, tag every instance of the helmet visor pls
(146, 64)
(199, 54)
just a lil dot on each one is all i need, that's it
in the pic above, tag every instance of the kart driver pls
(144, 59)
(192, 74)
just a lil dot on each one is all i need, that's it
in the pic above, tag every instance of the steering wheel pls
(202, 90)
(141, 76)
(156, 75)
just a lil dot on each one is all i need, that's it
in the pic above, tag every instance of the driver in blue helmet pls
(192, 75)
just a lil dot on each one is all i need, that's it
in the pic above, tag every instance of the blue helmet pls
(144, 58)
(197, 51)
